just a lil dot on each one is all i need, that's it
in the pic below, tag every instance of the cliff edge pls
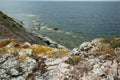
(9, 28)
(98, 59)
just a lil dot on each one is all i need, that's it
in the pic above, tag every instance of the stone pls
(25, 52)
(114, 68)
(98, 71)
(75, 51)
(28, 64)
(85, 46)
(14, 71)
(55, 28)
(9, 63)
(2, 73)
(31, 63)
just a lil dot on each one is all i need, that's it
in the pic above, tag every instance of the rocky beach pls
(31, 56)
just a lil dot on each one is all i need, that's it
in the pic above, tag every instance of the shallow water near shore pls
(35, 25)
(76, 21)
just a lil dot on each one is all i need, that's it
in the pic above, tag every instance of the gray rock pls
(75, 51)
(14, 71)
(9, 63)
(85, 46)
(28, 65)
(2, 73)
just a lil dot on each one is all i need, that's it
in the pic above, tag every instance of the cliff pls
(94, 60)
(9, 28)
(98, 59)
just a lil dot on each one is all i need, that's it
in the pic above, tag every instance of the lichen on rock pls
(94, 60)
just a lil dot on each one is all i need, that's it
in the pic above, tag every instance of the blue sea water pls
(84, 20)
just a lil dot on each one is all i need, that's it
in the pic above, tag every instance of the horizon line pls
(63, 0)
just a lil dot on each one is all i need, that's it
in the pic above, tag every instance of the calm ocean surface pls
(78, 21)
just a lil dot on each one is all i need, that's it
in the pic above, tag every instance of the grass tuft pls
(113, 42)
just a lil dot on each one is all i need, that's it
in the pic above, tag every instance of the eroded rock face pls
(98, 62)
(90, 61)
(23, 61)
(14, 68)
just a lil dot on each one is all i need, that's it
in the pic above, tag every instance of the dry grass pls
(80, 69)
(3, 50)
(74, 60)
(106, 50)
(114, 42)
(4, 42)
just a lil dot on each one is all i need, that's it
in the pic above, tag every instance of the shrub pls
(74, 60)
(115, 44)
(109, 40)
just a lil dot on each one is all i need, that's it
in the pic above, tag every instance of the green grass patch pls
(113, 41)
(109, 40)
(115, 44)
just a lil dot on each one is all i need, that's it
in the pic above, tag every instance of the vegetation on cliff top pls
(113, 42)
(9, 28)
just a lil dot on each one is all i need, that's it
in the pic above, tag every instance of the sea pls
(75, 21)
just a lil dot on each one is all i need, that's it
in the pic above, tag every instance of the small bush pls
(109, 40)
(74, 60)
(115, 44)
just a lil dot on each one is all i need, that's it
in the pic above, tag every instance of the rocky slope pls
(9, 28)
(13, 29)
(94, 60)
(21, 60)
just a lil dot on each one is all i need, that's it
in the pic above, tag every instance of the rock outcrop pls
(97, 61)
(23, 61)
(93, 60)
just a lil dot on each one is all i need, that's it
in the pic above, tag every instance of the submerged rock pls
(55, 28)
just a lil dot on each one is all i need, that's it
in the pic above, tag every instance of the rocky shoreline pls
(35, 25)
(21, 60)
(10, 28)
(38, 27)
(14, 29)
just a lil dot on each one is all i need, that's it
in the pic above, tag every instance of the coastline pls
(35, 31)
(98, 59)
(34, 24)
(94, 60)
